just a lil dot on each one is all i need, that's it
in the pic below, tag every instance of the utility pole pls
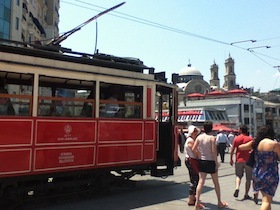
(250, 120)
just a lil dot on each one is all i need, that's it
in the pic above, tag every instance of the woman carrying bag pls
(192, 163)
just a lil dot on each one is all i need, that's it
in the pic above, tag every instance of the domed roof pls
(190, 71)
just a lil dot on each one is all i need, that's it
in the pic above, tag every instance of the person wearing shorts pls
(242, 157)
(205, 146)
(207, 166)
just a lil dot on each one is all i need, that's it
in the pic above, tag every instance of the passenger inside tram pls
(6, 107)
(87, 107)
(120, 101)
(64, 107)
(111, 108)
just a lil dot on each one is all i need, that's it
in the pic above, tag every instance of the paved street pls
(178, 193)
(149, 193)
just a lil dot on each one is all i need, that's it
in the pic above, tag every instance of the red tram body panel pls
(75, 120)
(32, 146)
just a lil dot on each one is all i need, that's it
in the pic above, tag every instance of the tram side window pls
(120, 101)
(15, 94)
(66, 98)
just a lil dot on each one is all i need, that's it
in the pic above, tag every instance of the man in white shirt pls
(231, 137)
(222, 142)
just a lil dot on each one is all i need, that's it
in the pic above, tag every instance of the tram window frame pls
(16, 91)
(120, 101)
(64, 97)
(164, 99)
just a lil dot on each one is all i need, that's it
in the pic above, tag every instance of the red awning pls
(217, 127)
(215, 92)
(195, 95)
(187, 112)
(190, 112)
(238, 91)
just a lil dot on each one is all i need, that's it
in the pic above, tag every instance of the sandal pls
(190, 203)
(192, 200)
(223, 204)
(236, 192)
(200, 206)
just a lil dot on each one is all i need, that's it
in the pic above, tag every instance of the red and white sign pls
(65, 132)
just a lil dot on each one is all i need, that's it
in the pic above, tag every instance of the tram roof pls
(66, 54)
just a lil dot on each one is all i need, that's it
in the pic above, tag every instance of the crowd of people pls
(256, 158)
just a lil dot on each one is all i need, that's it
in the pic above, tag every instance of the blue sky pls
(167, 35)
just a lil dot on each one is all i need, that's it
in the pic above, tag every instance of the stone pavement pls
(151, 193)
(208, 197)
(227, 184)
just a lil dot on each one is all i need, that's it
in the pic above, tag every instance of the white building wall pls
(237, 107)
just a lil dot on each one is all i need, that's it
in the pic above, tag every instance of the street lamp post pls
(251, 109)
(250, 120)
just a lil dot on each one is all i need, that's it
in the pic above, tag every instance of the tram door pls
(165, 98)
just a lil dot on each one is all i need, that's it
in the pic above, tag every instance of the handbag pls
(251, 161)
(195, 164)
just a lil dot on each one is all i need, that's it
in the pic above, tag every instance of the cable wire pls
(175, 30)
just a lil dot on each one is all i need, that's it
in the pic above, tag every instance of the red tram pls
(68, 120)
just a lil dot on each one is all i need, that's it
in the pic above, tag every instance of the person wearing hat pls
(192, 163)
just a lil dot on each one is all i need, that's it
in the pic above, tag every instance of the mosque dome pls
(190, 71)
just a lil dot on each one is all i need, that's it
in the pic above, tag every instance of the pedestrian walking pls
(231, 137)
(265, 169)
(205, 145)
(222, 142)
(241, 157)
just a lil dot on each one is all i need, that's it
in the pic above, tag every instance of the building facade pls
(272, 109)
(240, 106)
(29, 20)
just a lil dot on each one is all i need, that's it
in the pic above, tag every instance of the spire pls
(214, 81)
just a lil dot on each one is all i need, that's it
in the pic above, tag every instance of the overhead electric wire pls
(168, 28)
(255, 54)
(148, 22)
(260, 40)
(265, 55)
